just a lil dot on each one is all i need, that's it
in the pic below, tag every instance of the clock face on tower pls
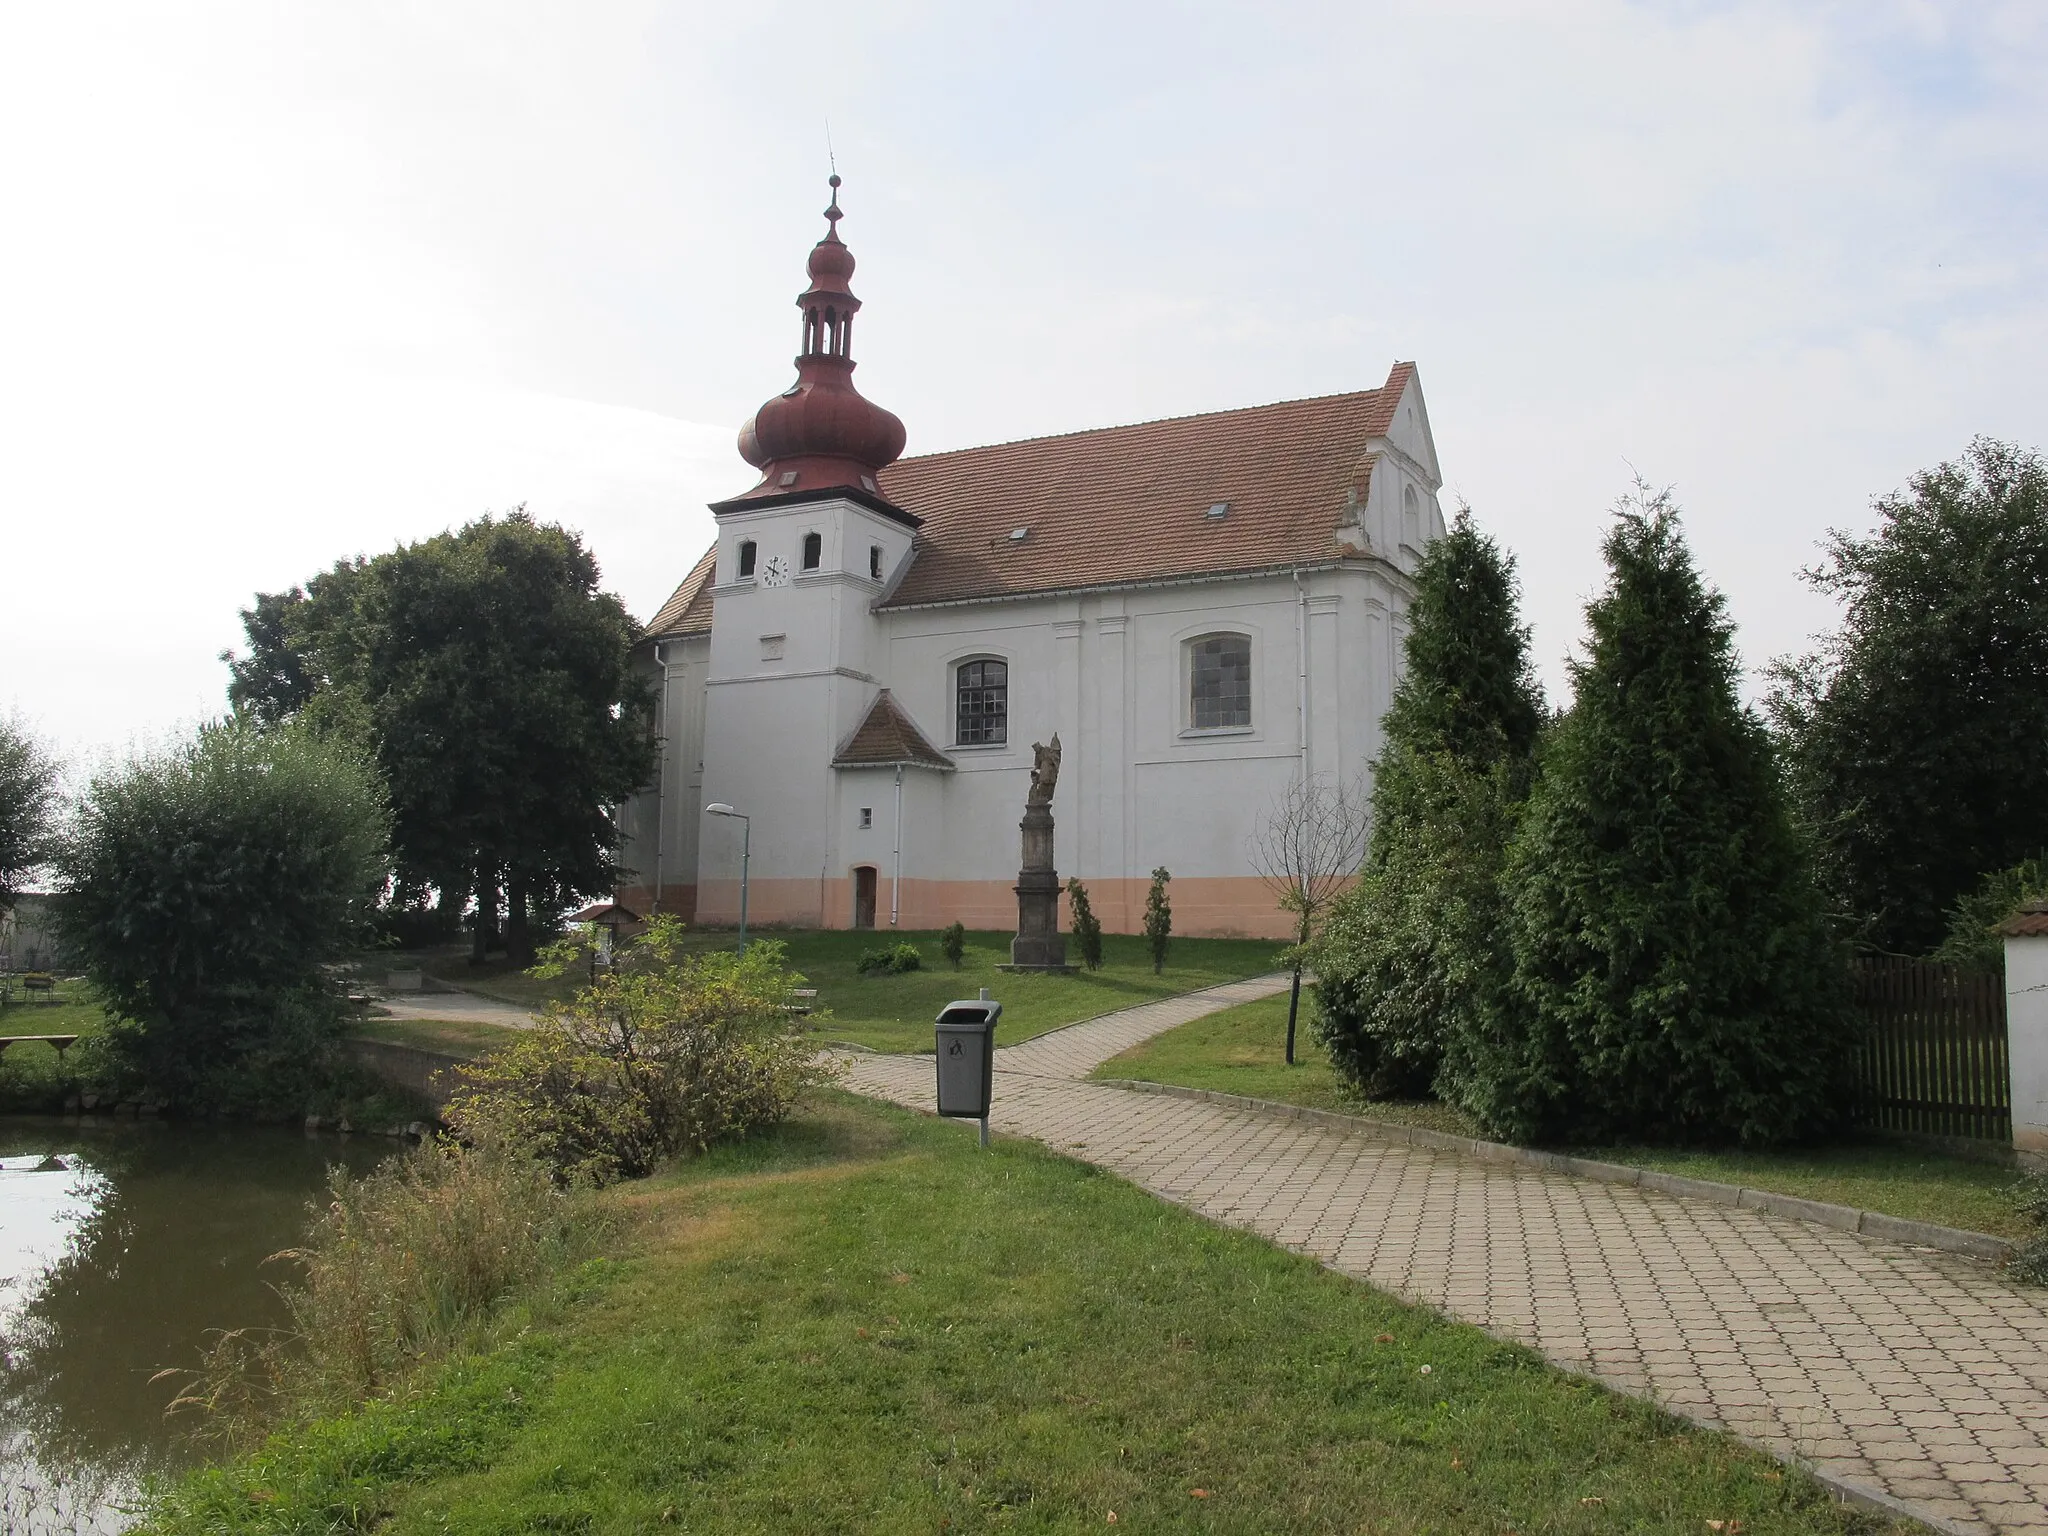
(775, 572)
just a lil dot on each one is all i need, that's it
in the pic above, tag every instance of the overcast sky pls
(284, 283)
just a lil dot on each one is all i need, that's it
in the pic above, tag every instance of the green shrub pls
(1084, 924)
(397, 1269)
(2030, 1260)
(1675, 979)
(1158, 919)
(1413, 958)
(953, 943)
(1972, 922)
(892, 960)
(207, 889)
(662, 1055)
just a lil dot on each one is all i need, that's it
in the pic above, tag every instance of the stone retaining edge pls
(414, 1069)
(1844, 1218)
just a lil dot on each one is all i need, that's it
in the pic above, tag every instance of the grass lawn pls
(895, 1013)
(1240, 1050)
(1244, 1050)
(70, 1010)
(863, 1323)
(34, 1077)
(454, 1037)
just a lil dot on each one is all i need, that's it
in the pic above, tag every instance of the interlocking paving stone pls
(1921, 1374)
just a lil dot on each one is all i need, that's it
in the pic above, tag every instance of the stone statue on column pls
(1039, 945)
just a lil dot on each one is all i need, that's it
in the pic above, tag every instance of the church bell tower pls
(795, 648)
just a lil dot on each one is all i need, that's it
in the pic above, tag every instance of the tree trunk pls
(448, 902)
(1293, 1008)
(486, 910)
(518, 935)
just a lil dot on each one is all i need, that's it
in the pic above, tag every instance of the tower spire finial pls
(832, 214)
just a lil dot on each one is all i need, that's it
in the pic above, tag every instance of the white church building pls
(1204, 609)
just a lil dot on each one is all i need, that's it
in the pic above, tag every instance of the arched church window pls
(1411, 518)
(747, 553)
(814, 550)
(982, 703)
(1220, 682)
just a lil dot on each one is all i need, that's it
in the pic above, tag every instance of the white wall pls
(2026, 1015)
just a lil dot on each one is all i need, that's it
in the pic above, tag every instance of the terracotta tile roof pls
(886, 737)
(1122, 504)
(688, 609)
(2030, 921)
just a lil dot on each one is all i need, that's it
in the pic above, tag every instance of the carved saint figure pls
(1045, 772)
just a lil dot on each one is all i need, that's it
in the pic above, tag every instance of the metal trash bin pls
(966, 1037)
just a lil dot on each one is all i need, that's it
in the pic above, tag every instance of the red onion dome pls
(823, 416)
(821, 432)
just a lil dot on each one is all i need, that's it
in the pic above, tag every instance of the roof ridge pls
(1151, 421)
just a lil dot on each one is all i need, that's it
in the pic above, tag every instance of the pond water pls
(121, 1246)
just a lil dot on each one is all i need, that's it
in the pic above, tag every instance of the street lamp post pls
(720, 808)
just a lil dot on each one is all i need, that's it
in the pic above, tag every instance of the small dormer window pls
(814, 550)
(747, 553)
(874, 562)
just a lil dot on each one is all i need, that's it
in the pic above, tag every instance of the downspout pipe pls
(661, 770)
(1301, 668)
(896, 879)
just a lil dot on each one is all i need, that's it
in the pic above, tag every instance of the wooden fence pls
(1934, 1057)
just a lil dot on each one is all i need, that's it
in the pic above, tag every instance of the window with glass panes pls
(1220, 682)
(982, 697)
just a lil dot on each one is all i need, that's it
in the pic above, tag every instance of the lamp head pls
(719, 808)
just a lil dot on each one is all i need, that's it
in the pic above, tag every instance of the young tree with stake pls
(1306, 850)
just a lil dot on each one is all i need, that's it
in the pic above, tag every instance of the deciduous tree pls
(28, 806)
(492, 678)
(1915, 731)
(1306, 848)
(207, 887)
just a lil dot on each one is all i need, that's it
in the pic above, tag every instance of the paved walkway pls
(1918, 1374)
(468, 1007)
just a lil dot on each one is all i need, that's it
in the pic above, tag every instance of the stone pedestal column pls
(1039, 945)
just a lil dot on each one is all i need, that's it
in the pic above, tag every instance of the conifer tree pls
(1084, 924)
(1158, 918)
(1410, 953)
(1675, 979)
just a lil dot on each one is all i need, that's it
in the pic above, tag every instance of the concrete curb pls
(1843, 1218)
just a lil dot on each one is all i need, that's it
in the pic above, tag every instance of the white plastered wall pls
(2026, 1022)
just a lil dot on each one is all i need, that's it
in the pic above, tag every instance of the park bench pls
(61, 1043)
(801, 1000)
(38, 981)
